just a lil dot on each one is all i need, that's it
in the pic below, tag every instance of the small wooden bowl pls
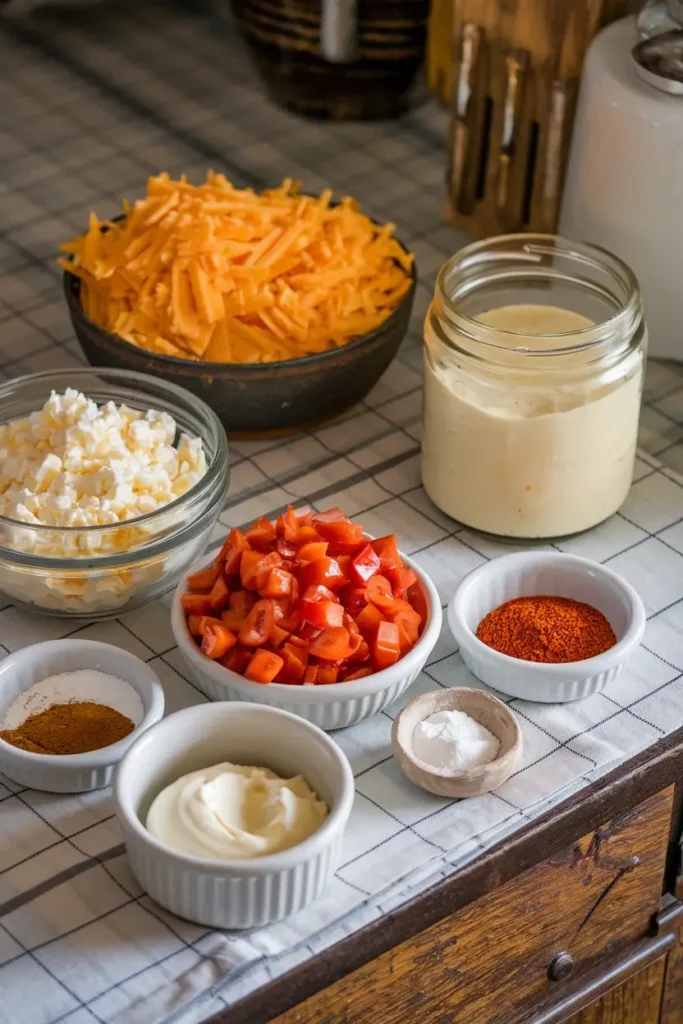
(485, 709)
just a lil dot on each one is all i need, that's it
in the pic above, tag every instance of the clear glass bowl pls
(115, 568)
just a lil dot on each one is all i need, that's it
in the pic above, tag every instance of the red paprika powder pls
(548, 629)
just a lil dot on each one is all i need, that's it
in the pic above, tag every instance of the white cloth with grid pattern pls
(87, 111)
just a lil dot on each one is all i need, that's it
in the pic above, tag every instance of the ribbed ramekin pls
(73, 773)
(528, 573)
(330, 707)
(233, 893)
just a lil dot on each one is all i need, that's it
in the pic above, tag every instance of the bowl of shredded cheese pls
(279, 309)
(110, 484)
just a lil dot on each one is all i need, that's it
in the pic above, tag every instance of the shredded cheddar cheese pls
(227, 275)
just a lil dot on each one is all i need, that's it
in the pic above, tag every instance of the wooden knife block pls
(510, 70)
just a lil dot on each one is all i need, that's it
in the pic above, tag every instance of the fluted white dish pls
(529, 573)
(73, 773)
(233, 893)
(333, 706)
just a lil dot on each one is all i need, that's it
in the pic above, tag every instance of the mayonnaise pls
(528, 458)
(234, 812)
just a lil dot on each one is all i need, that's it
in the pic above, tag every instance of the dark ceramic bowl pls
(258, 398)
(381, 79)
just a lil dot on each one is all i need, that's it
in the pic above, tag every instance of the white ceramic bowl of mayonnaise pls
(94, 769)
(233, 893)
(335, 706)
(529, 573)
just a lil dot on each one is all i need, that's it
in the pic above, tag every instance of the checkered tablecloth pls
(89, 106)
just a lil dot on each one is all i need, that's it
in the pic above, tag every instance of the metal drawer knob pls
(561, 967)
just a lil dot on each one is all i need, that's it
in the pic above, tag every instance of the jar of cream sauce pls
(534, 361)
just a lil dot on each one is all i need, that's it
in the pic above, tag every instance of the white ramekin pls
(235, 893)
(330, 707)
(73, 773)
(530, 573)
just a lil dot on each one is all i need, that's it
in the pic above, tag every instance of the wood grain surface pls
(513, 118)
(636, 1001)
(489, 962)
(624, 787)
(672, 1002)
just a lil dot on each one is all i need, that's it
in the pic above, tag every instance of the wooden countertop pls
(628, 785)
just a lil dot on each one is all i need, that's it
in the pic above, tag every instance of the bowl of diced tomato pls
(309, 614)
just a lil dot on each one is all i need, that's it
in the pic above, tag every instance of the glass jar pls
(531, 418)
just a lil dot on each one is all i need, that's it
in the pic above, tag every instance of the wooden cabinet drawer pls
(490, 962)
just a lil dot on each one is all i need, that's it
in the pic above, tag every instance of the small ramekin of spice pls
(69, 710)
(546, 626)
(457, 743)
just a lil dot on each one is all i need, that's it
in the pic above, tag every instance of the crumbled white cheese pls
(74, 464)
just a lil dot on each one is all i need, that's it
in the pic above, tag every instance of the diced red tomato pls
(196, 623)
(387, 550)
(310, 675)
(237, 658)
(263, 667)
(311, 551)
(324, 570)
(356, 673)
(287, 526)
(344, 563)
(364, 565)
(255, 572)
(248, 561)
(307, 535)
(307, 600)
(295, 660)
(278, 583)
(408, 622)
(386, 649)
(290, 622)
(318, 593)
(196, 604)
(240, 604)
(418, 600)
(278, 636)
(308, 633)
(284, 548)
(217, 639)
(361, 654)
(262, 533)
(298, 641)
(220, 595)
(378, 591)
(353, 598)
(340, 533)
(332, 515)
(258, 625)
(368, 620)
(231, 552)
(204, 580)
(332, 644)
(401, 580)
(322, 614)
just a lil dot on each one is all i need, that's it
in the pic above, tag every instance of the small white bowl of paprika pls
(553, 641)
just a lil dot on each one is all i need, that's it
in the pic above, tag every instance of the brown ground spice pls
(71, 728)
(547, 629)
